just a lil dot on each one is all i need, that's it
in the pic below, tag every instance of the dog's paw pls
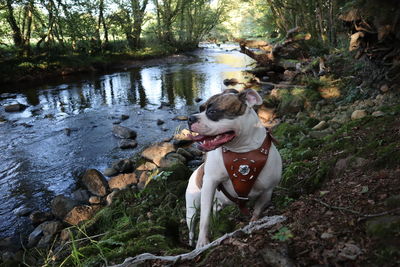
(202, 242)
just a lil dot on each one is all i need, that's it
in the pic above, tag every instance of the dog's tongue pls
(208, 143)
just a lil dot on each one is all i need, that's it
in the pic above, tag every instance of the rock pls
(321, 134)
(180, 118)
(185, 153)
(176, 156)
(169, 162)
(34, 237)
(358, 114)
(65, 235)
(343, 164)
(37, 217)
(67, 131)
(194, 151)
(110, 172)
(349, 252)
(232, 81)
(14, 107)
(51, 227)
(81, 195)
(160, 122)
(156, 152)
(326, 235)
(183, 135)
(94, 200)
(117, 122)
(148, 166)
(110, 197)
(340, 118)
(181, 143)
(124, 132)
(95, 182)
(384, 88)
(378, 113)
(277, 257)
(163, 105)
(198, 99)
(45, 233)
(122, 180)
(61, 205)
(383, 227)
(123, 165)
(44, 241)
(80, 213)
(124, 117)
(127, 143)
(321, 125)
(22, 211)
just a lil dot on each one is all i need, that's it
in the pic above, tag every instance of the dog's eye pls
(211, 111)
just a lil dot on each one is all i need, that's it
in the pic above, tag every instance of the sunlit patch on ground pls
(329, 92)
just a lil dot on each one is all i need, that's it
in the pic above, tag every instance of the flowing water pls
(67, 126)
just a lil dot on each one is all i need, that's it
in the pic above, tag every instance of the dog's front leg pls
(261, 203)
(207, 195)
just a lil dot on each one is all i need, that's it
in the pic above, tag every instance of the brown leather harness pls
(243, 170)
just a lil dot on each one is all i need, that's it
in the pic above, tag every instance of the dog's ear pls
(251, 97)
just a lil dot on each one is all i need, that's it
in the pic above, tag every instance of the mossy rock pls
(384, 227)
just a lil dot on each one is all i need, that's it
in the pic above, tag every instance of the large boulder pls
(95, 182)
(156, 152)
(122, 180)
(15, 107)
(81, 213)
(61, 205)
(124, 132)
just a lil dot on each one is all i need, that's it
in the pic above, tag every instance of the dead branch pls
(263, 223)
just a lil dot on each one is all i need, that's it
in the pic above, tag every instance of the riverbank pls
(43, 67)
(339, 143)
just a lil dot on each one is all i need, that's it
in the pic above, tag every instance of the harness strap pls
(243, 170)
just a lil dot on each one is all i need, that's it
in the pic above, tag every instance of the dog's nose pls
(192, 119)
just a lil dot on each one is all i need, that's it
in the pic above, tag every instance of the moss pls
(393, 201)
(388, 156)
(288, 133)
(311, 122)
(384, 227)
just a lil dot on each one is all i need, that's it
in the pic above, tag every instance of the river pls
(67, 126)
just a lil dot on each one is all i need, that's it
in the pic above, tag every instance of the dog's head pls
(221, 117)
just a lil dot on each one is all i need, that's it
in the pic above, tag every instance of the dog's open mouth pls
(211, 142)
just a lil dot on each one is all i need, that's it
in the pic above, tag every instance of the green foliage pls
(283, 234)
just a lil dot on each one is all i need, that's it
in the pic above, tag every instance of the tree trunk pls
(27, 38)
(17, 35)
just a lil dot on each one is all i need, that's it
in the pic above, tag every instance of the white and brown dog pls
(227, 123)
